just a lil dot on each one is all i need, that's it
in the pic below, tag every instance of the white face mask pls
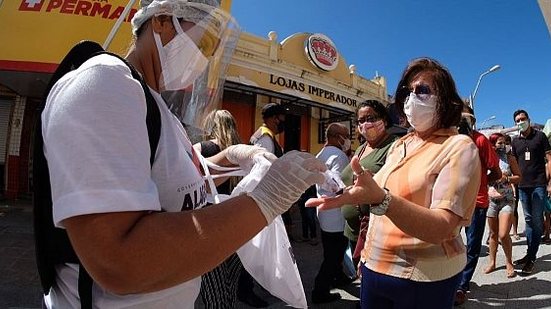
(346, 145)
(523, 125)
(420, 111)
(181, 61)
(508, 148)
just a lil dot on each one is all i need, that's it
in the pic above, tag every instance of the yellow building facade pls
(305, 72)
(266, 70)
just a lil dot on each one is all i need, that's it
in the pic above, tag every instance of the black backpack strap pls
(81, 52)
(153, 122)
(85, 284)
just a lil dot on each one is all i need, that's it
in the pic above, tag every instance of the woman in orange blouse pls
(420, 199)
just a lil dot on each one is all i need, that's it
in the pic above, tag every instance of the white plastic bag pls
(547, 128)
(268, 257)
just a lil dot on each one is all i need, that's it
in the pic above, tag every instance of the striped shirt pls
(441, 172)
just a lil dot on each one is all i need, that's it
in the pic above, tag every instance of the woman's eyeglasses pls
(370, 119)
(421, 89)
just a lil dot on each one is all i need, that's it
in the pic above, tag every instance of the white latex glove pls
(285, 181)
(242, 155)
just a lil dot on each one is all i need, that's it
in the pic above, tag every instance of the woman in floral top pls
(500, 211)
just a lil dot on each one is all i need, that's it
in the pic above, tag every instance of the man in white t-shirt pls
(331, 221)
(133, 224)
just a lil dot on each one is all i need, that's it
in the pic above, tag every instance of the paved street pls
(19, 286)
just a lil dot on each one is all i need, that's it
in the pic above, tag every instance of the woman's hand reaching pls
(364, 191)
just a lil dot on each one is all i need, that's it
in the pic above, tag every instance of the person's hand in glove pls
(285, 181)
(243, 155)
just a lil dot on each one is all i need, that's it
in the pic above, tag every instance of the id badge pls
(527, 156)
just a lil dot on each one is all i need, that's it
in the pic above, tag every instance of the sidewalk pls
(20, 287)
(496, 290)
(19, 283)
(492, 290)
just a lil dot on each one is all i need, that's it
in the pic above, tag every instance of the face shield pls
(195, 61)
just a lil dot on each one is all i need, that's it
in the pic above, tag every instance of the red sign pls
(92, 8)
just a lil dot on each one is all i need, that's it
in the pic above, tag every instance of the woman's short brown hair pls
(449, 106)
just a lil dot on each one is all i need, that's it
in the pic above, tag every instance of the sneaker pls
(522, 261)
(460, 298)
(528, 268)
(327, 297)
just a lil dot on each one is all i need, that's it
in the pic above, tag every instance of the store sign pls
(321, 52)
(37, 34)
(101, 8)
(312, 90)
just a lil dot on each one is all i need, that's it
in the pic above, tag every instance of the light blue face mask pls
(523, 125)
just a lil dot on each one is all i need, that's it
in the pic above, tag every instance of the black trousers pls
(334, 247)
(308, 215)
(219, 286)
(246, 283)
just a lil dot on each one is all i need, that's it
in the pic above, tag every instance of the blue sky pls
(468, 37)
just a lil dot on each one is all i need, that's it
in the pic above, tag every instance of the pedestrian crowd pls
(141, 226)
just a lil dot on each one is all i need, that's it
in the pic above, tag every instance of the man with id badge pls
(531, 148)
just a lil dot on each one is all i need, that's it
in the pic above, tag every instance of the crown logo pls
(322, 52)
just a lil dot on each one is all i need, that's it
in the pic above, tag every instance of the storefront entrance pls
(294, 126)
(292, 133)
